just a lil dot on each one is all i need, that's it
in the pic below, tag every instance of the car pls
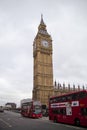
(1, 109)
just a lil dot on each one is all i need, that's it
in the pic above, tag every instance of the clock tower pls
(43, 65)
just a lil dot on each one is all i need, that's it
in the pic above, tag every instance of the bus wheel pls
(77, 122)
(55, 120)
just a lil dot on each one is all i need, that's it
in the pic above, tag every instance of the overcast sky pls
(66, 21)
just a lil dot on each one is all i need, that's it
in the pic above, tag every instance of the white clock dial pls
(45, 43)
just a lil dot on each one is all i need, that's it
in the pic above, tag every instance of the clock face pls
(45, 43)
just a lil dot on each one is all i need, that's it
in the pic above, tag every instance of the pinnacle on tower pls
(42, 27)
(42, 22)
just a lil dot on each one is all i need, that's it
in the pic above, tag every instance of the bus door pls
(65, 112)
(68, 113)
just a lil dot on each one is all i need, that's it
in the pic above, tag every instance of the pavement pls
(45, 118)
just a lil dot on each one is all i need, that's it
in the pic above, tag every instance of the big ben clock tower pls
(43, 65)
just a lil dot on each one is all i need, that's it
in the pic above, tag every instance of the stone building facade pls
(60, 89)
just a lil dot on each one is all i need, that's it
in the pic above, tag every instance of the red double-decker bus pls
(69, 108)
(31, 108)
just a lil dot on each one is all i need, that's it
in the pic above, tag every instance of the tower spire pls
(42, 27)
(42, 22)
(41, 16)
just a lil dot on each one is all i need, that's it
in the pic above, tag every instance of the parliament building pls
(43, 86)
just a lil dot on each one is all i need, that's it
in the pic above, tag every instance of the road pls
(14, 121)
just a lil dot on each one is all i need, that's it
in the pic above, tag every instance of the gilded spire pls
(42, 22)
